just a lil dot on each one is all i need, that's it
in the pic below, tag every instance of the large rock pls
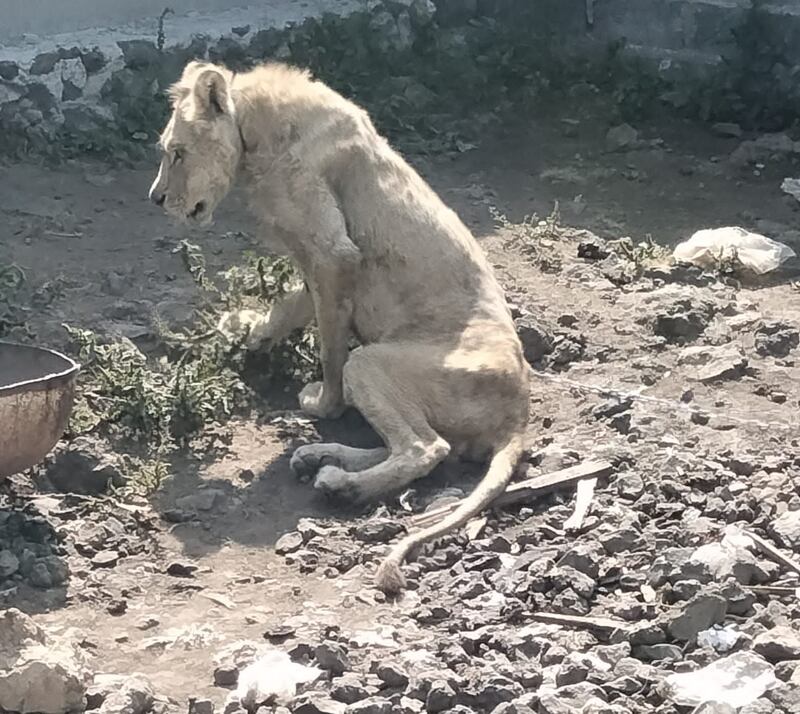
(787, 529)
(778, 644)
(38, 673)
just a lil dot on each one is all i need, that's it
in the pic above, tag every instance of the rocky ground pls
(233, 588)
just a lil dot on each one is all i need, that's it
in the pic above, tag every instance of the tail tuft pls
(389, 578)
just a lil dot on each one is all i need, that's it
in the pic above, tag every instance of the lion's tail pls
(390, 578)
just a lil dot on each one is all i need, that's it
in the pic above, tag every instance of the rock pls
(317, 704)
(776, 339)
(289, 543)
(700, 613)
(332, 657)
(44, 63)
(786, 528)
(134, 695)
(203, 500)
(139, 54)
(621, 137)
(48, 572)
(778, 644)
(371, 705)
(38, 673)
(730, 558)
(593, 249)
(724, 363)
(441, 696)
(585, 558)
(9, 564)
(659, 653)
(8, 70)
(392, 676)
(583, 697)
(201, 706)
(93, 60)
(378, 530)
(85, 467)
(537, 340)
(348, 689)
(105, 559)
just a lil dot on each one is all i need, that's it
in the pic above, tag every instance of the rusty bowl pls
(37, 389)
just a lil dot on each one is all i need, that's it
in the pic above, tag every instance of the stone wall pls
(99, 88)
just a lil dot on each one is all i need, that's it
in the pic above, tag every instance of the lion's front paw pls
(314, 400)
(338, 485)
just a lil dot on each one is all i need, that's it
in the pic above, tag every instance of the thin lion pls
(440, 370)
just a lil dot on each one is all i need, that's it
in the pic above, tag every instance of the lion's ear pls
(212, 94)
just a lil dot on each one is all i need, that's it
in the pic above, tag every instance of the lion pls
(439, 370)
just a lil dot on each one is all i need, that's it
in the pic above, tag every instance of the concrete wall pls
(43, 17)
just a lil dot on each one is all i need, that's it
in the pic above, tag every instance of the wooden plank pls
(529, 488)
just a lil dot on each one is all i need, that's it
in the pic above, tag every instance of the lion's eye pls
(177, 155)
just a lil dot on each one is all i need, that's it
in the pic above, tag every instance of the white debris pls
(719, 639)
(709, 247)
(792, 187)
(273, 678)
(736, 680)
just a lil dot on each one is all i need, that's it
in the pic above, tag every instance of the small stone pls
(201, 706)
(621, 137)
(378, 530)
(700, 613)
(441, 697)
(139, 54)
(226, 675)
(537, 340)
(332, 657)
(593, 249)
(48, 572)
(371, 705)
(203, 500)
(786, 528)
(44, 63)
(317, 704)
(585, 558)
(289, 543)
(241, 30)
(178, 569)
(105, 559)
(392, 676)
(776, 339)
(9, 564)
(348, 689)
(725, 363)
(778, 644)
(8, 70)
(659, 653)
(630, 486)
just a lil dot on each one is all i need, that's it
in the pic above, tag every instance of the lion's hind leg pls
(385, 383)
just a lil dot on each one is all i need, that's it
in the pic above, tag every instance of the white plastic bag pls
(273, 678)
(710, 246)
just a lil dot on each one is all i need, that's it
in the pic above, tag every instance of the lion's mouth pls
(198, 209)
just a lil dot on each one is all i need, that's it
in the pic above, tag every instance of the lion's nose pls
(158, 197)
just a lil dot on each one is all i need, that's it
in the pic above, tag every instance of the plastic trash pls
(736, 680)
(273, 678)
(710, 246)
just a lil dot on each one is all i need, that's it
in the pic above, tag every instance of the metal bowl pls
(37, 389)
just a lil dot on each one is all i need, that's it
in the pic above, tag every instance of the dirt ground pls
(92, 228)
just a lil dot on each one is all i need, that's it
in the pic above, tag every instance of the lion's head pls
(201, 145)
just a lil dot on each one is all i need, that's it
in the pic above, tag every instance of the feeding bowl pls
(37, 388)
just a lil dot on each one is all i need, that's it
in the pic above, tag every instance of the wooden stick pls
(605, 624)
(772, 552)
(529, 488)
